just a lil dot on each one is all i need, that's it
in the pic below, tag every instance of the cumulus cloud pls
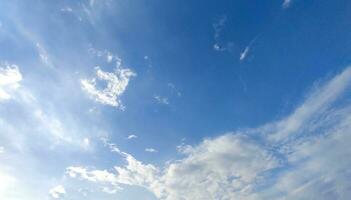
(10, 76)
(117, 83)
(57, 192)
(302, 156)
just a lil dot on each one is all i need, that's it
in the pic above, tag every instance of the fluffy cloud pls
(57, 192)
(227, 167)
(10, 76)
(302, 156)
(117, 83)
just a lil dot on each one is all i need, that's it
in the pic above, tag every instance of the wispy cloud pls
(244, 53)
(247, 49)
(218, 27)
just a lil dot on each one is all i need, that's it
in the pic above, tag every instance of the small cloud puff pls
(57, 192)
(132, 137)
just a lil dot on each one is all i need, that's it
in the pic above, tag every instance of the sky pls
(175, 100)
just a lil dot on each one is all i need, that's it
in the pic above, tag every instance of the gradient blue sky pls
(175, 100)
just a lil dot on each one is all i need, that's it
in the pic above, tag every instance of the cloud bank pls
(302, 156)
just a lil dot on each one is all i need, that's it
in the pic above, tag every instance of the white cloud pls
(227, 167)
(161, 100)
(247, 49)
(317, 103)
(10, 76)
(221, 165)
(57, 192)
(2, 149)
(117, 83)
(109, 190)
(303, 156)
(132, 137)
(151, 150)
(244, 53)
(93, 175)
(7, 182)
(286, 3)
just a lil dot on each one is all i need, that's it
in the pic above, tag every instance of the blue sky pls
(175, 100)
